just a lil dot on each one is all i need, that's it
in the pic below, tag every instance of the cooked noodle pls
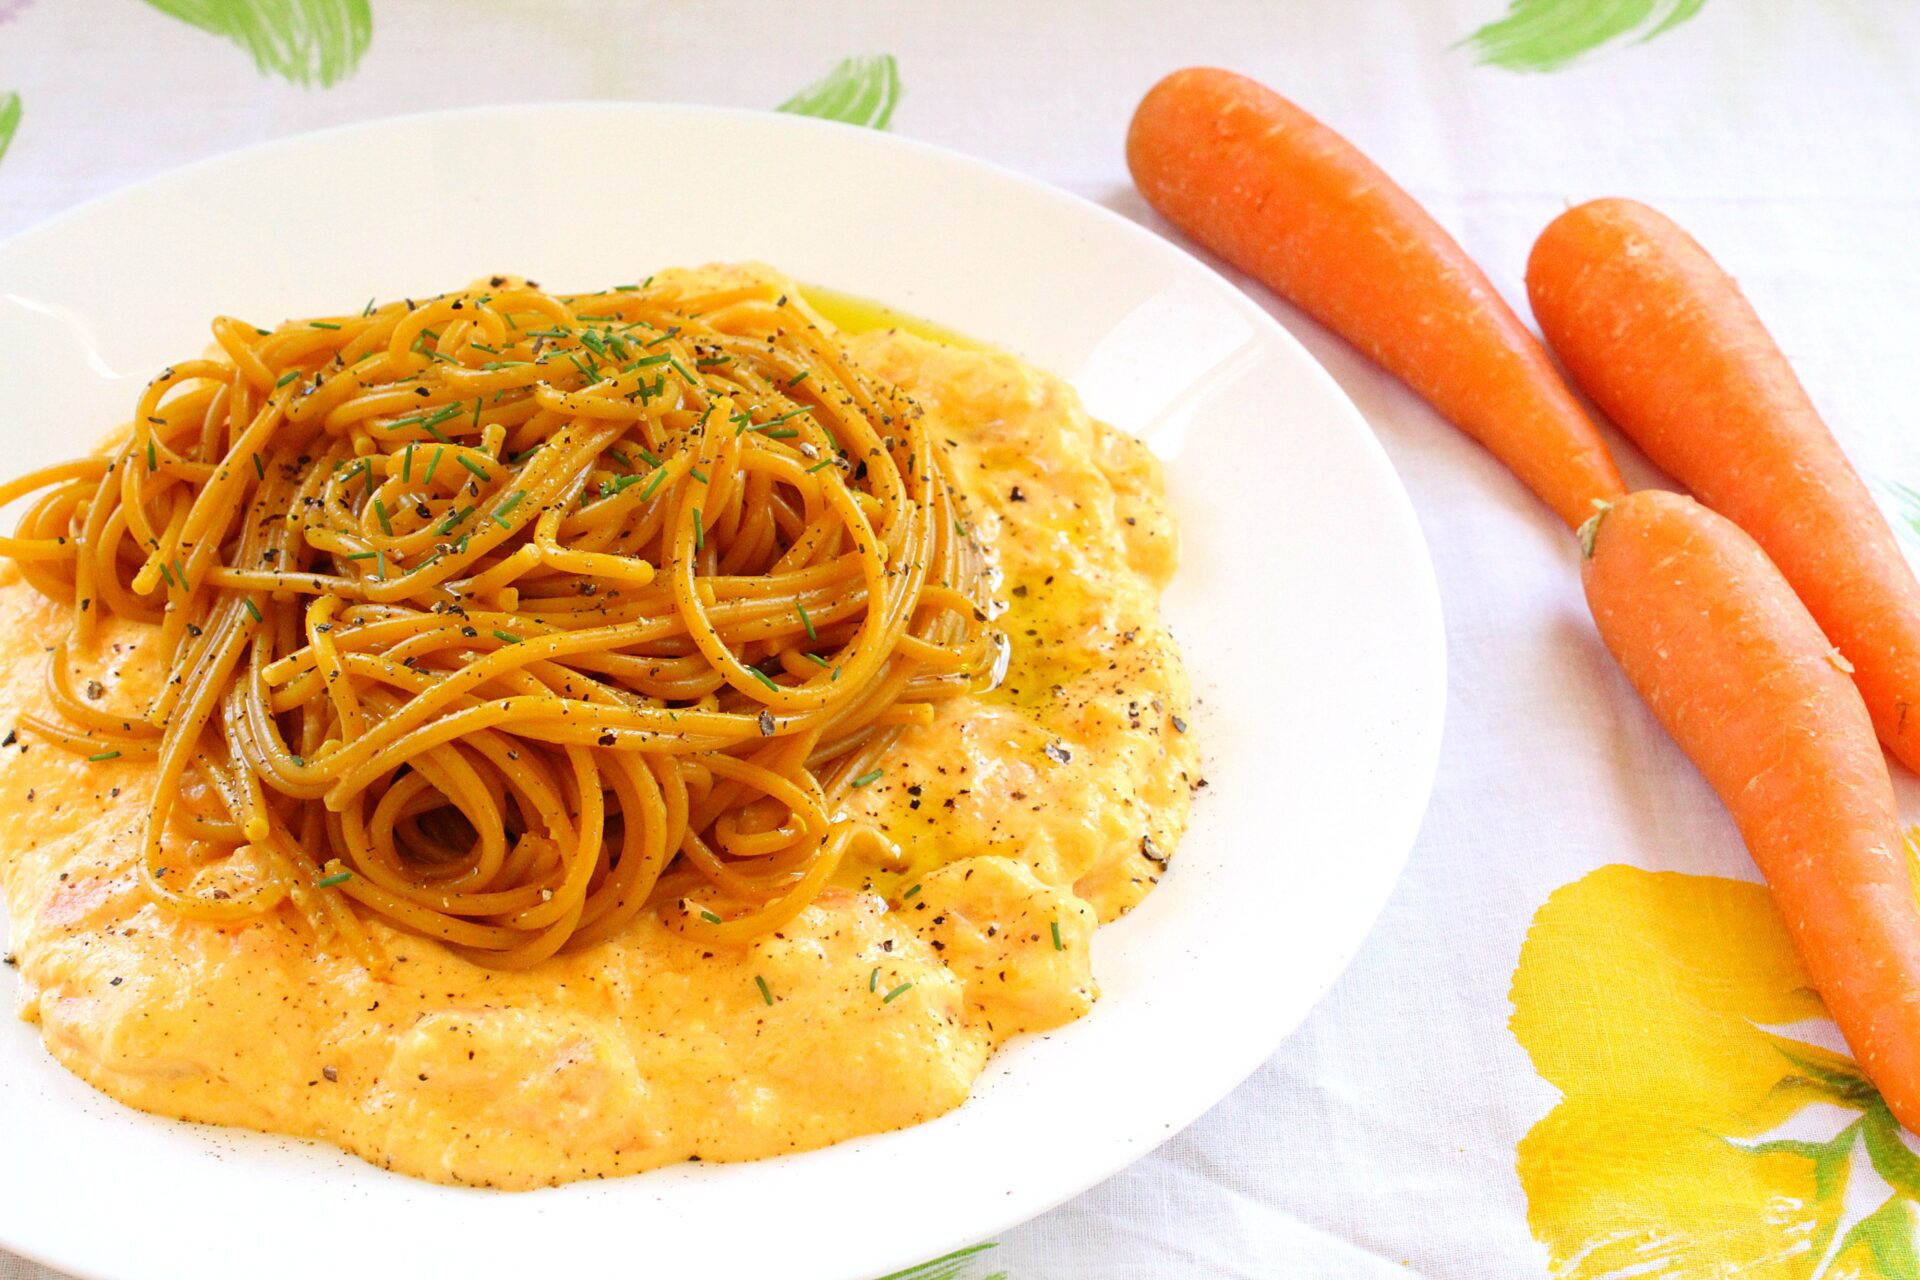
(500, 615)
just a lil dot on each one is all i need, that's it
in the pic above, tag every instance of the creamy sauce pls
(1024, 818)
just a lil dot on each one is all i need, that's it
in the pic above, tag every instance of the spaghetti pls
(500, 615)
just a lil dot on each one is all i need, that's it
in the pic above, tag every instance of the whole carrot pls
(1281, 196)
(1665, 344)
(1741, 676)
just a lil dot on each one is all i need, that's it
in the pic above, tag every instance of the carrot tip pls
(1590, 528)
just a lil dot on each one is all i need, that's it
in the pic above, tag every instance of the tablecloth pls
(1576, 1041)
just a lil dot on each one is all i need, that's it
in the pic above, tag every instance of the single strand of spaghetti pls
(782, 909)
(73, 707)
(234, 336)
(319, 622)
(86, 743)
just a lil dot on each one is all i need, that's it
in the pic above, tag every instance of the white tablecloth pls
(1381, 1140)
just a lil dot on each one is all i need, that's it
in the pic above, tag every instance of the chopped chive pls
(103, 755)
(285, 378)
(1057, 944)
(870, 776)
(621, 458)
(681, 369)
(709, 917)
(658, 476)
(900, 990)
(481, 346)
(765, 994)
(436, 433)
(368, 309)
(432, 462)
(805, 621)
(662, 358)
(873, 979)
(252, 608)
(444, 412)
(788, 416)
(909, 893)
(380, 565)
(712, 362)
(453, 520)
(380, 510)
(513, 500)
(784, 433)
(180, 571)
(823, 463)
(762, 677)
(338, 877)
(800, 379)
(506, 637)
(647, 455)
(406, 464)
(474, 467)
(361, 555)
(699, 532)
(697, 474)
(259, 467)
(500, 519)
(476, 413)
(836, 673)
(815, 659)
(322, 324)
(625, 288)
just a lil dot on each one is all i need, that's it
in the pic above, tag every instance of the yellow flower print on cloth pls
(1711, 1124)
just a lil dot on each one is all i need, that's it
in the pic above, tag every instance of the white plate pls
(1306, 607)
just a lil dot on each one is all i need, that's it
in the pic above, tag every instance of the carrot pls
(1741, 676)
(1664, 343)
(1281, 196)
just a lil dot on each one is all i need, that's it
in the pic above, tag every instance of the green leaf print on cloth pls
(860, 91)
(1545, 35)
(957, 1265)
(304, 42)
(9, 120)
